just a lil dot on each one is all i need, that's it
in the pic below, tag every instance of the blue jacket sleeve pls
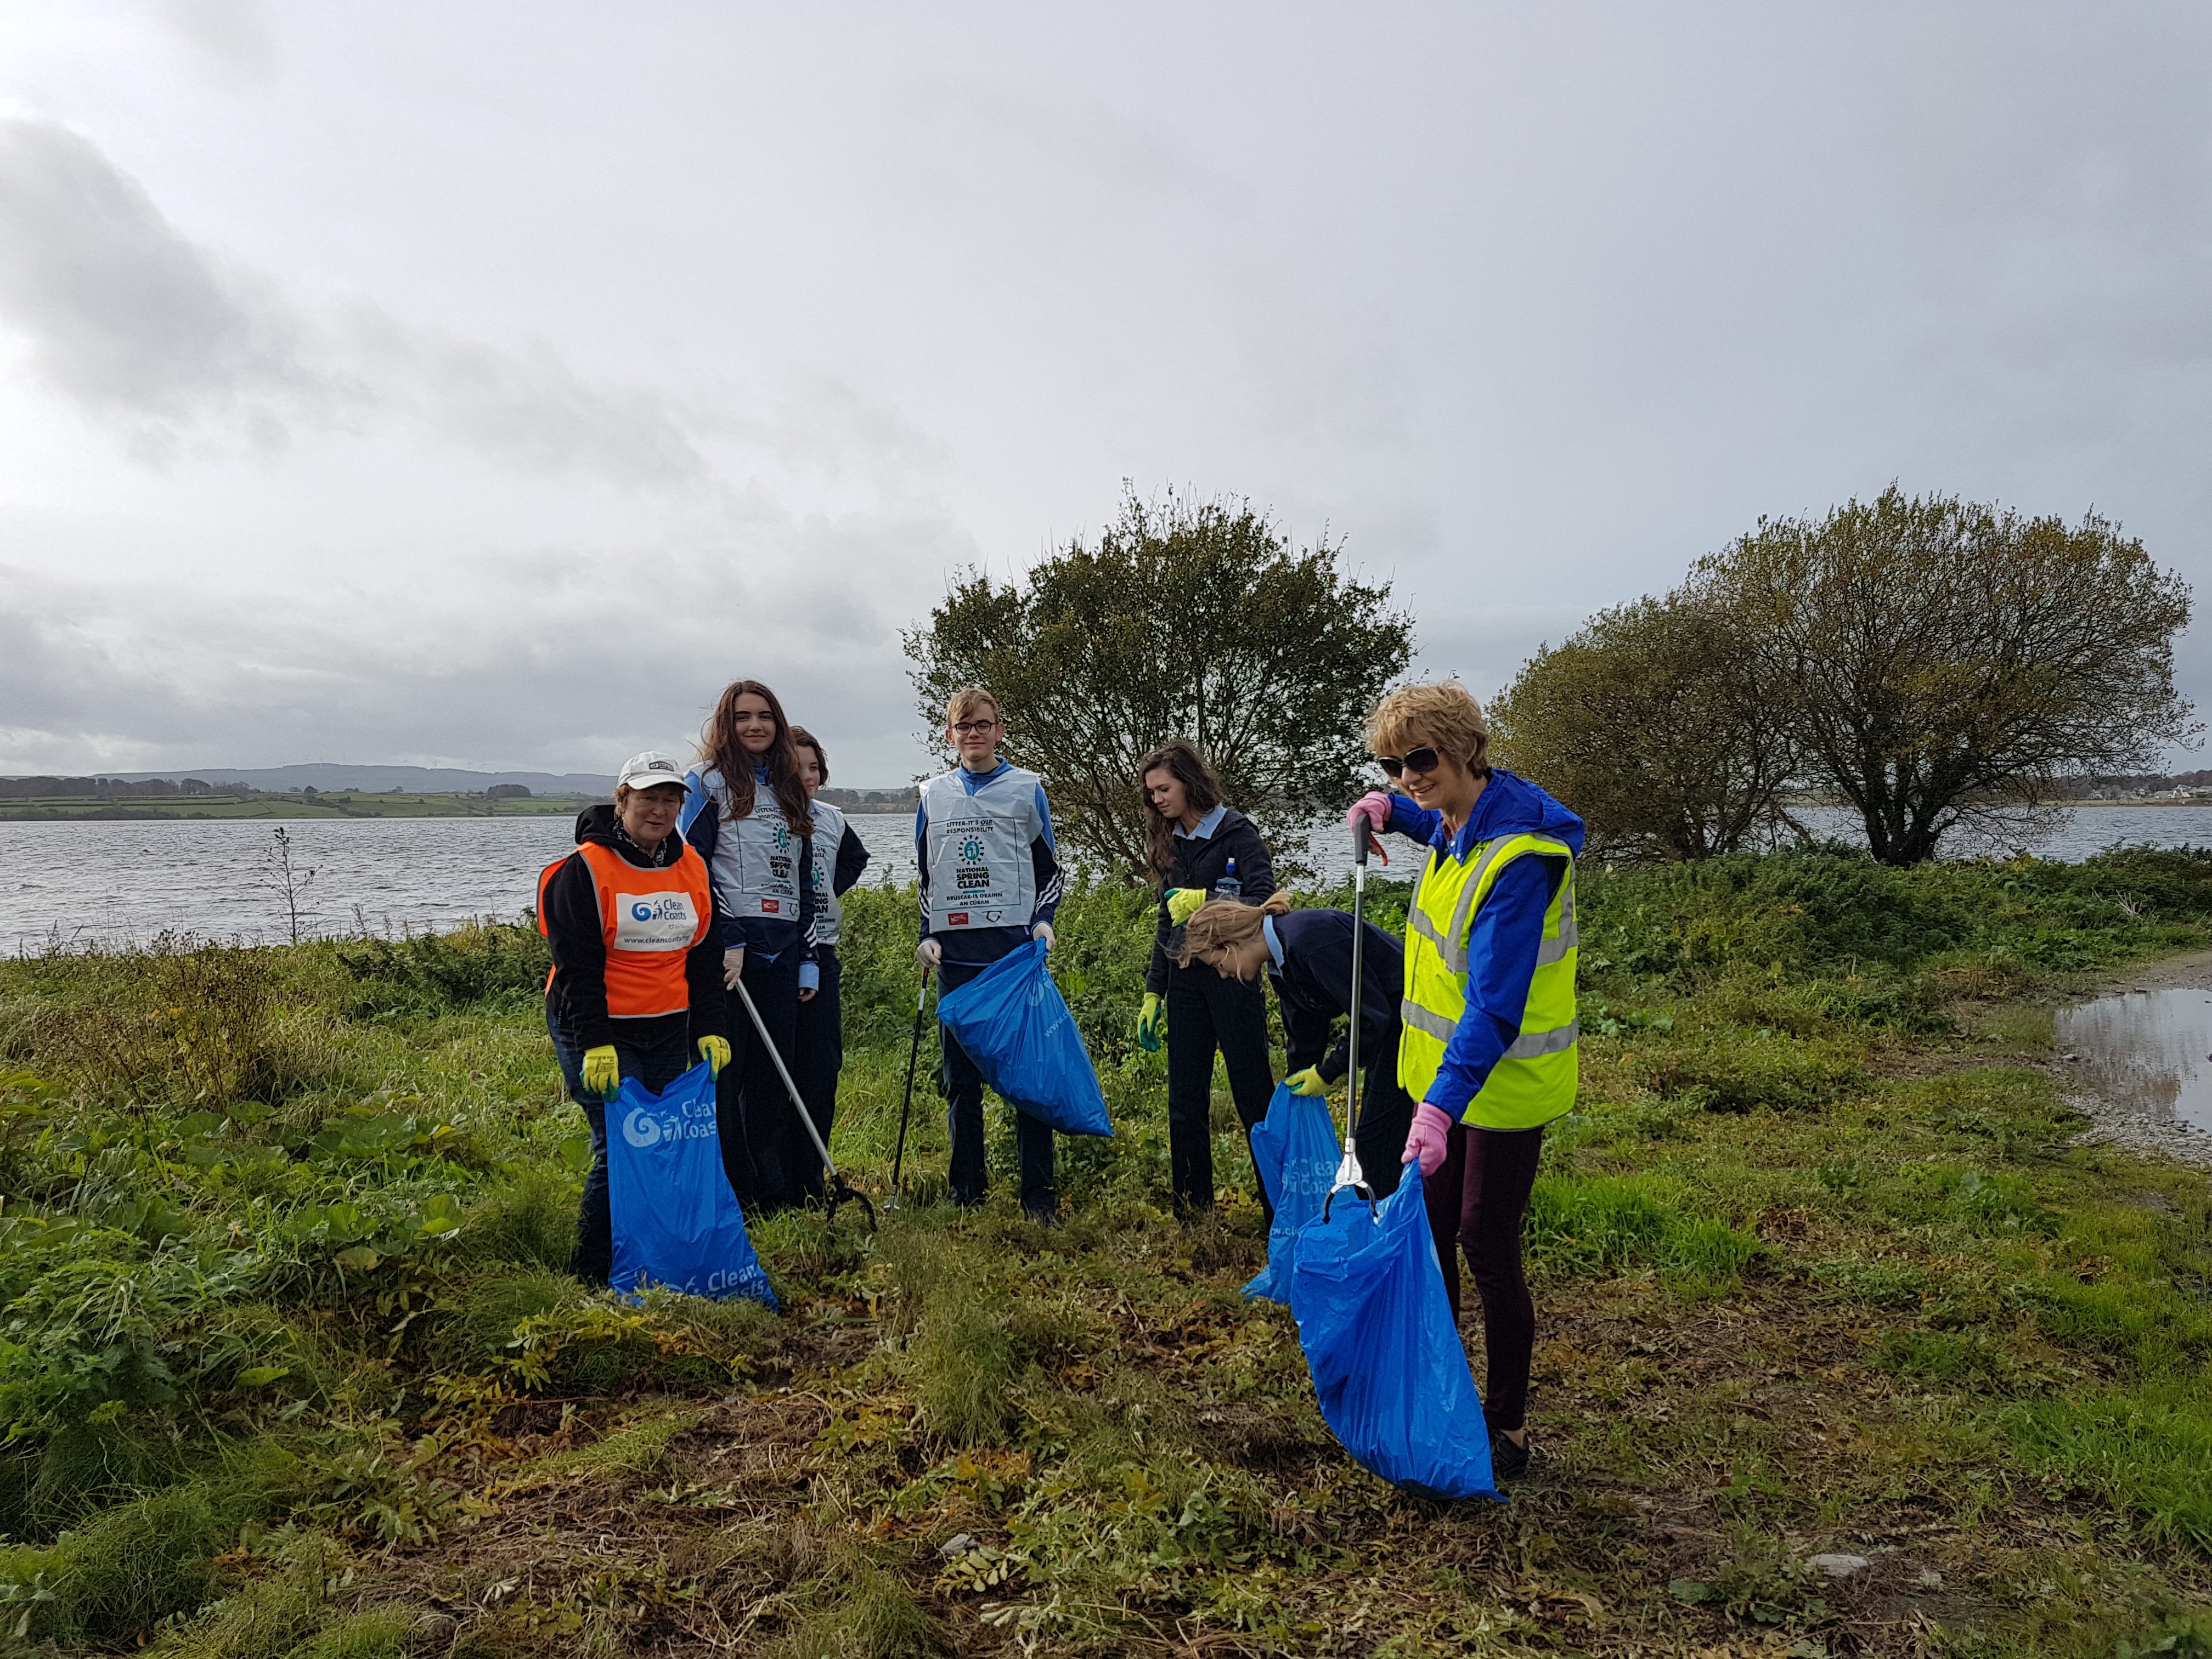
(1417, 822)
(1044, 862)
(695, 799)
(1502, 945)
(700, 824)
(852, 859)
(921, 862)
(810, 965)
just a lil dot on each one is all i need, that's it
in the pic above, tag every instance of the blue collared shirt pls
(1205, 826)
(1274, 944)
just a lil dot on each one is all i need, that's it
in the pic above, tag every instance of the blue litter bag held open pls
(1294, 1148)
(1388, 1364)
(1015, 1025)
(677, 1222)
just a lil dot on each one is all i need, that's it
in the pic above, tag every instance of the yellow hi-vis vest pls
(1535, 1080)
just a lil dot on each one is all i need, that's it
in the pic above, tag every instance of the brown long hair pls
(720, 748)
(1225, 924)
(1202, 792)
(803, 738)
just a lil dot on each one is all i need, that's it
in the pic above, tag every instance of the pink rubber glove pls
(1375, 807)
(1424, 1141)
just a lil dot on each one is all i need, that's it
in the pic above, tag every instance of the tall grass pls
(283, 1261)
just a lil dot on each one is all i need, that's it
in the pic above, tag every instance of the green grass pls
(290, 1364)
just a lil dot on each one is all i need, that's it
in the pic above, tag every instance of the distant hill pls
(327, 775)
(413, 779)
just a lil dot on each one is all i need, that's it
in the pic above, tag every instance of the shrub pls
(485, 964)
(123, 1572)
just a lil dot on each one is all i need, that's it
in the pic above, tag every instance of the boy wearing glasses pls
(990, 883)
(1488, 1029)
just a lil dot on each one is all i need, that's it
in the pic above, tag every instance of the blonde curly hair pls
(1442, 714)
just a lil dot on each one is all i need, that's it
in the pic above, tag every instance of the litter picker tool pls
(840, 1188)
(1348, 1173)
(906, 1106)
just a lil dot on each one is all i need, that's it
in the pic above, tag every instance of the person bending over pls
(1487, 1043)
(1306, 955)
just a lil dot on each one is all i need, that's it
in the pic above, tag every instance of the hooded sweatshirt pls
(1507, 927)
(577, 934)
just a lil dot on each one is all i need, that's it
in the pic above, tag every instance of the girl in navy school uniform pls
(746, 812)
(838, 858)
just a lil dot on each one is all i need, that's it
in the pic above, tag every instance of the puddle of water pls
(2149, 1052)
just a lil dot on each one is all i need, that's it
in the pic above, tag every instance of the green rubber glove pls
(1182, 901)
(602, 1072)
(715, 1051)
(1308, 1082)
(1151, 1023)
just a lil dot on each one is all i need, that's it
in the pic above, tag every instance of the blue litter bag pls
(1013, 1024)
(1377, 1325)
(1294, 1148)
(677, 1222)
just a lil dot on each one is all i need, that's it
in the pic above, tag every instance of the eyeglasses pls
(974, 728)
(1423, 759)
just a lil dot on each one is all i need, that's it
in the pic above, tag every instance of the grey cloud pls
(525, 406)
(138, 325)
(557, 659)
(122, 313)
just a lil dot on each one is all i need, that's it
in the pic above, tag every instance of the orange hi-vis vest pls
(650, 918)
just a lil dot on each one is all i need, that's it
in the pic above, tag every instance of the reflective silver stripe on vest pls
(1456, 952)
(1555, 950)
(1534, 1045)
(1422, 1020)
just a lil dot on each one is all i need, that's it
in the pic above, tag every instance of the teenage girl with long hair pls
(746, 812)
(1196, 837)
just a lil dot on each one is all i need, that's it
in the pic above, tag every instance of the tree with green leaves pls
(1939, 663)
(1648, 724)
(1191, 619)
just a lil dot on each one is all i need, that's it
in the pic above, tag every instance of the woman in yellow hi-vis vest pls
(1487, 1027)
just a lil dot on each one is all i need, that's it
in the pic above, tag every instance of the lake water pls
(2149, 1052)
(119, 883)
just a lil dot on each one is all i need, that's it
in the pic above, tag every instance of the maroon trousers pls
(1478, 1196)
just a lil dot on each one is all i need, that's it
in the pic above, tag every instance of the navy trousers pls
(963, 1111)
(656, 1052)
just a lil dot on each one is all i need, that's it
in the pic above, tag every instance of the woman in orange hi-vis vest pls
(636, 986)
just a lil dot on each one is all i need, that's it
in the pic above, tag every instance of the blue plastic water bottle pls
(1229, 886)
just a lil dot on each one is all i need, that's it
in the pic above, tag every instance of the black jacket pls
(1200, 864)
(1314, 985)
(574, 927)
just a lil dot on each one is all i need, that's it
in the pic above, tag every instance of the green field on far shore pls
(337, 804)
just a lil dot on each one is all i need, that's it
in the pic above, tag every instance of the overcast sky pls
(486, 384)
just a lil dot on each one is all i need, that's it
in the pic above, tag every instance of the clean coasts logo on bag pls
(654, 921)
(642, 1129)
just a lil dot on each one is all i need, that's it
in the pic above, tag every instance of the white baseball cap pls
(644, 770)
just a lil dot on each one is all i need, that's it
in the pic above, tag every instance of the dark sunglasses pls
(1423, 759)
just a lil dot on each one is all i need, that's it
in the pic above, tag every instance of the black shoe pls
(1508, 1459)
